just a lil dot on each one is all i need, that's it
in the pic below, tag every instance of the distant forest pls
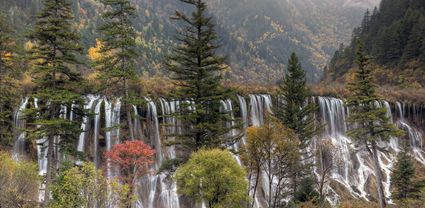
(394, 37)
(257, 37)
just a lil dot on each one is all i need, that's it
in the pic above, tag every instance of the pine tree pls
(55, 72)
(7, 84)
(414, 43)
(197, 74)
(365, 26)
(297, 114)
(401, 177)
(370, 122)
(117, 66)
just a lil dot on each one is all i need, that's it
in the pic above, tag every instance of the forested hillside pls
(258, 36)
(394, 37)
(169, 104)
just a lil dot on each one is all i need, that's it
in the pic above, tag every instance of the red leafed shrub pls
(133, 157)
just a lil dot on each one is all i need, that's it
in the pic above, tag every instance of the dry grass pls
(246, 89)
(389, 93)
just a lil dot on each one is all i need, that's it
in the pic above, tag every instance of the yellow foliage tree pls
(94, 53)
(271, 150)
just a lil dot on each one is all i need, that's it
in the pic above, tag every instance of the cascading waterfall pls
(41, 150)
(19, 146)
(157, 190)
(352, 167)
(243, 107)
(155, 129)
(415, 136)
(96, 132)
(112, 119)
(85, 125)
(56, 140)
(260, 104)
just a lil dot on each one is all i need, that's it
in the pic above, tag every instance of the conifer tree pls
(369, 121)
(7, 85)
(117, 66)
(54, 61)
(414, 44)
(197, 73)
(297, 114)
(401, 177)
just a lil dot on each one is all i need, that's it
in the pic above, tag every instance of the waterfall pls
(138, 133)
(354, 173)
(112, 120)
(355, 167)
(259, 103)
(352, 167)
(152, 116)
(41, 150)
(85, 125)
(415, 141)
(56, 140)
(19, 146)
(415, 136)
(244, 111)
(169, 124)
(96, 133)
(157, 190)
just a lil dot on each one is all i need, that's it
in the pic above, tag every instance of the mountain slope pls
(394, 38)
(258, 36)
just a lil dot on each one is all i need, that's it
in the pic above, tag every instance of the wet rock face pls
(351, 176)
(356, 173)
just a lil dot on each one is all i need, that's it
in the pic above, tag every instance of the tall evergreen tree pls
(393, 35)
(7, 84)
(55, 72)
(117, 66)
(297, 114)
(401, 177)
(365, 26)
(414, 46)
(197, 73)
(369, 121)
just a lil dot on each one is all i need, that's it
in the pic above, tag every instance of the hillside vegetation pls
(394, 38)
(257, 36)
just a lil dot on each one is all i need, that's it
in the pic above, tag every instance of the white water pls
(157, 190)
(352, 171)
(85, 124)
(96, 132)
(41, 150)
(355, 174)
(112, 120)
(19, 146)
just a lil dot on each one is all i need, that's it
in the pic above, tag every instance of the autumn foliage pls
(133, 158)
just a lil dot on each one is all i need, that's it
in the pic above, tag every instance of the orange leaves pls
(133, 157)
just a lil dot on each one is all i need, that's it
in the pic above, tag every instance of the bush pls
(215, 177)
(19, 182)
(86, 187)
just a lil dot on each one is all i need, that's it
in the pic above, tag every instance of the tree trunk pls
(49, 171)
(269, 177)
(130, 123)
(294, 182)
(128, 112)
(322, 167)
(256, 185)
(378, 173)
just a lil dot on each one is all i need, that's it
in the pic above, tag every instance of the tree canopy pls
(213, 176)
